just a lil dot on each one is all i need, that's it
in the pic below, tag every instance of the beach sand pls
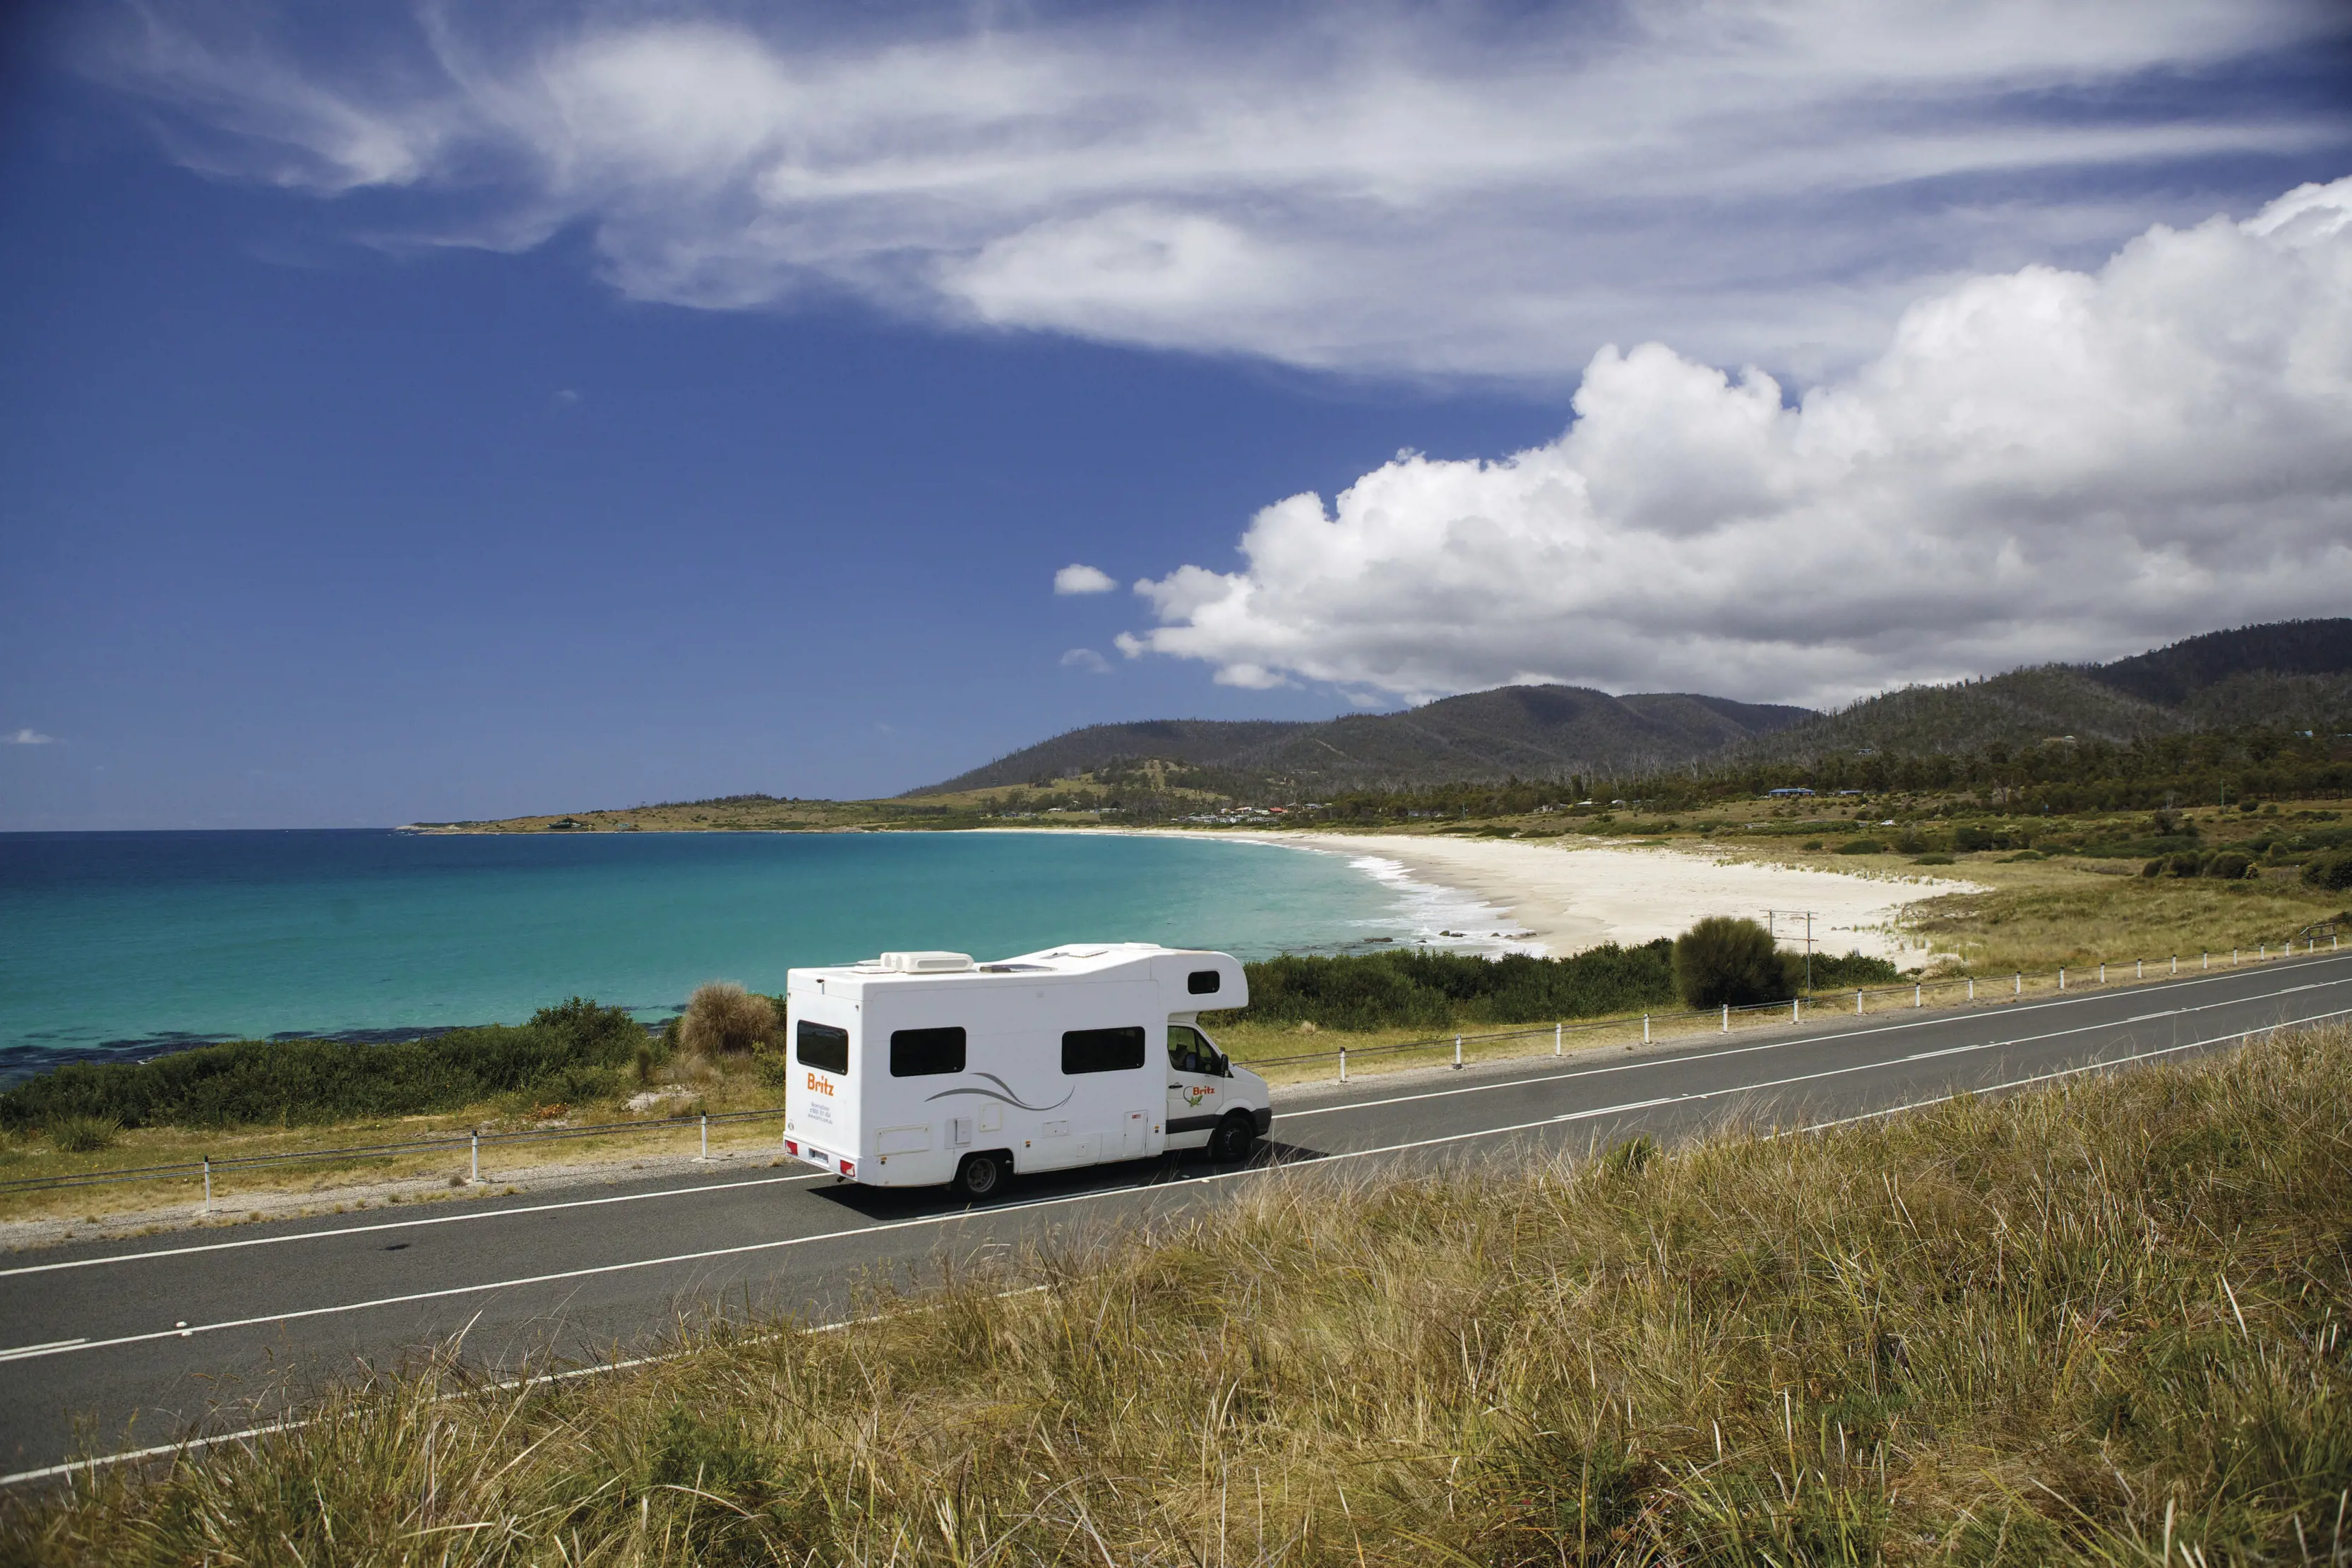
(1568, 896)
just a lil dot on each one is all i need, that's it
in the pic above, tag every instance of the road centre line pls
(405, 1224)
(1587, 1071)
(1647, 1063)
(36, 1352)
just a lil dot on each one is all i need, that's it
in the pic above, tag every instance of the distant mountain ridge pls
(1529, 731)
(2287, 675)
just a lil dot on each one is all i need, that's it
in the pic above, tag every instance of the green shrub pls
(2230, 865)
(2331, 871)
(572, 1053)
(1844, 971)
(1932, 860)
(74, 1134)
(1722, 961)
(1862, 847)
(1416, 988)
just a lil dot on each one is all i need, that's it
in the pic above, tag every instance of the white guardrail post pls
(1727, 1017)
(476, 1136)
(1556, 1030)
(1343, 1064)
(208, 1183)
(705, 1156)
(1645, 1028)
(1457, 1054)
(1972, 988)
(2062, 976)
(1918, 993)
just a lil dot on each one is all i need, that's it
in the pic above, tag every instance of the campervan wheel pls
(981, 1175)
(1236, 1136)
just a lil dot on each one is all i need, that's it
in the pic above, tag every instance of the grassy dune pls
(2098, 1324)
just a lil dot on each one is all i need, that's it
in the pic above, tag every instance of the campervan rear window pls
(1202, 982)
(925, 1052)
(1102, 1049)
(823, 1047)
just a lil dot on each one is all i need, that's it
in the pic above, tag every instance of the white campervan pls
(916, 1068)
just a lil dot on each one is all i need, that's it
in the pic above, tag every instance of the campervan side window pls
(925, 1052)
(823, 1047)
(1102, 1049)
(1202, 982)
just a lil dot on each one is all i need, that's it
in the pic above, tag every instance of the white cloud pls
(1086, 659)
(1076, 579)
(1443, 190)
(27, 737)
(2038, 465)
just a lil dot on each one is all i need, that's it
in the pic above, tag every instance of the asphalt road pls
(110, 1346)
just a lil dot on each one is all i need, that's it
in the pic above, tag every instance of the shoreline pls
(1559, 898)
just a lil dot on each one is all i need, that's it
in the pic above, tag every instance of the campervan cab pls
(919, 1068)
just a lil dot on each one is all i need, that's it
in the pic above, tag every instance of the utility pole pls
(1771, 928)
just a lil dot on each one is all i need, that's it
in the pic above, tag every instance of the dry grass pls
(2076, 917)
(722, 1019)
(2097, 1325)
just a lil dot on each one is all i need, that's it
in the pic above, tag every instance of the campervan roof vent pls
(927, 962)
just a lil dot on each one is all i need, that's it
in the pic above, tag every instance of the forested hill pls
(1530, 731)
(2288, 675)
(1199, 741)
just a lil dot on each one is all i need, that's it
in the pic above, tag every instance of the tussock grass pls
(2038, 917)
(722, 1019)
(2095, 1325)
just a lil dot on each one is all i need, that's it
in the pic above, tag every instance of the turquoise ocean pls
(119, 946)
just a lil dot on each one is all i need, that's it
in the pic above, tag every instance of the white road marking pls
(1587, 1071)
(709, 1254)
(29, 1350)
(1651, 1062)
(404, 1224)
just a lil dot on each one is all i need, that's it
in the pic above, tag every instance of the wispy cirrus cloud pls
(1447, 191)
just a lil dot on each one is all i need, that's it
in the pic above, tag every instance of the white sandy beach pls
(1567, 896)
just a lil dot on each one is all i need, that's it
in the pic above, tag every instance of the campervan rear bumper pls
(832, 1163)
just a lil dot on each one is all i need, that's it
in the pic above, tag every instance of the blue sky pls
(410, 421)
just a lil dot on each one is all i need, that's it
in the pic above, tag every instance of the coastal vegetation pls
(2102, 1323)
(1419, 987)
(1722, 962)
(570, 1053)
(722, 1019)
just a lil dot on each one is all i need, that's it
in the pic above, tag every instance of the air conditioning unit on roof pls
(927, 962)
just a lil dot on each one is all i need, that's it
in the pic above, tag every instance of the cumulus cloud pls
(1446, 189)
(1076, 579)
(27, 737)
(2038, 465)
(1086, 659)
